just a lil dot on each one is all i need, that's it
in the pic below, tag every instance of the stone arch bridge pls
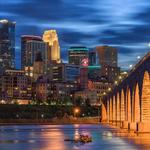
(127, 105)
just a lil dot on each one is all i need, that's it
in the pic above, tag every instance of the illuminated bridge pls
(127, 105)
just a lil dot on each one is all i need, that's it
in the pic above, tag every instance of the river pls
(51, 137)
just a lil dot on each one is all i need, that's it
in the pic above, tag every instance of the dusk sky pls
(124, 24)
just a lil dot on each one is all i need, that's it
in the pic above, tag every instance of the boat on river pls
(81, 139)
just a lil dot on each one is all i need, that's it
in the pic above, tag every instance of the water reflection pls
(51, 137)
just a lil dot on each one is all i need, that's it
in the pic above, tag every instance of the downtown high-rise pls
(50, 37)
(7, 45)
(78, 55)
(24, 51)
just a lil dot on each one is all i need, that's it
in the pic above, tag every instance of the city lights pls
(74, 74)
(138, 57)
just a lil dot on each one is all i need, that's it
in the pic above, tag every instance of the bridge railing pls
(139, 63)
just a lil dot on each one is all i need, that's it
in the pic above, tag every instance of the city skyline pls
(84, 23)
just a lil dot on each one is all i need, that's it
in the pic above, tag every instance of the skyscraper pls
(7, 44)
(24, 40)
(78, 55)
(50, 37)
(108, 61)
(34, 49)
(107, 55)
(63, 72)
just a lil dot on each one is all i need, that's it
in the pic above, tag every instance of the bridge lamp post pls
(130, 66)
(149, 44)
(109, 89)
(104, 93)
(120, 77)
(138, 57)
(116, 82)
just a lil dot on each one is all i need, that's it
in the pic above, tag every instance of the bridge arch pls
(108, 109)
(145, 99)
(122, 107)
(114, 108)
(111, 109)
(136, 105)
(129, 106)
(118, 106)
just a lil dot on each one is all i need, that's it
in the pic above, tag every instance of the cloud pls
(124, 25)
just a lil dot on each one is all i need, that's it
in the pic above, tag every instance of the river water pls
(51, 137)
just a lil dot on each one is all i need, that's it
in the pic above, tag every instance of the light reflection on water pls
(51, 137)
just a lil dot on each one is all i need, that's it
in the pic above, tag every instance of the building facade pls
(64, 72)
(24, 40)
(76, 55)
(50, 37)
(7, 45)
(33, 50)
(108, 60)
(16, 86)
(107, 56)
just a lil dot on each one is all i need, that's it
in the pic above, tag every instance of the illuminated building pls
(38, 66)
(41, 88)
(91, 95)
(83, 79)
(64, 72)
(101, 86)
(108, 60)
(77, 55)
(24, 40)
(107, 55)
(111, 73)
(32, 49)
(7, 45)
(29, 71)
(52, 90)
(93, 58)
(50, 37)
(94, 72)
(16, 86)
(95, 91)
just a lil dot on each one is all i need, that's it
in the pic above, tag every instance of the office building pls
(38, 67)
(94, 72)
(107, 55)
(24, 40)
(53, 91)
(64, 72)
(50, 37)
(16, 86)
(7, 45)
(93, 58)
(78, 55)
(108, 60)
(35, 48)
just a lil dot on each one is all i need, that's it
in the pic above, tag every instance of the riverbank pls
(58, 121)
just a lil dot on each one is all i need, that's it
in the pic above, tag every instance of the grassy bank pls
(83, 120)
(42, 112)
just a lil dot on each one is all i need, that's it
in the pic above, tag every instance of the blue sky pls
(124, 24)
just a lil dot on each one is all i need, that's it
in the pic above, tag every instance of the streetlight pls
(76, 111)
(109, 89)
(130, 66)
(116, 82)
(138, 57)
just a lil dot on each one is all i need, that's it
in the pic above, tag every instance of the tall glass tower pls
(7, 45)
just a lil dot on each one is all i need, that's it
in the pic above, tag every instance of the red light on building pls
(85, 62)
